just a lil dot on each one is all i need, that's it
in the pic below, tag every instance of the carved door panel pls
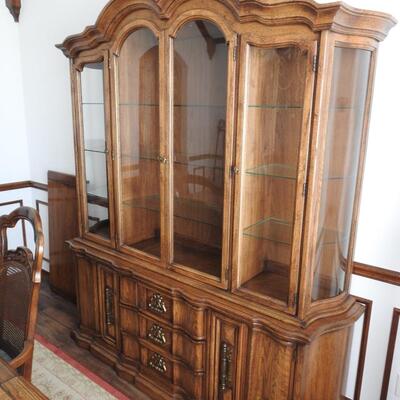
(227, 358)
(270, 370)
(86, 287)
(108, 304)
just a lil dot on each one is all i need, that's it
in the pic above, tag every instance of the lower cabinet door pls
(108, 282)
(87, 295)
(270, 369)
(227, 358)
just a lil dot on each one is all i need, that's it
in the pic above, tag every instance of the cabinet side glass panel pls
(139, 141)
(95, 148)
(199, 106)
(275, 89)
(342, 152)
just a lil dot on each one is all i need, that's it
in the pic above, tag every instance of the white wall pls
(14, 154)
(45, 72)
(14, 160)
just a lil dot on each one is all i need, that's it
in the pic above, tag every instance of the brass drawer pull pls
(158, 363)
(157, 304)
(157, 335)
(225, 378)
(109, 299)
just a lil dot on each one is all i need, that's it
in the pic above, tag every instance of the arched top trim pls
(338, 17)
(199, 15)
(131, 28)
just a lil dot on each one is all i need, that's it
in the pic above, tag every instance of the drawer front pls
(156, 302)
(190, 318)
(129, 320)
(156, 333)
(156, 365)
(192, 384)
(128, 291)
(172, 375)
(190, 352)
(130, 347)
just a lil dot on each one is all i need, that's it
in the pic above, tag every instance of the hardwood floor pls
(57, 317)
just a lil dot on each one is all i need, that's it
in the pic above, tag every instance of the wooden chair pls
(20, 274)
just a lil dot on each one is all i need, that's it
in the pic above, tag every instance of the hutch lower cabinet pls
(219, 150)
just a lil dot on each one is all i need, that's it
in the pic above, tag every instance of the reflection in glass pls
(200, 90)
(342, 152)
(95, 148)
(138, 74)
(274, 115)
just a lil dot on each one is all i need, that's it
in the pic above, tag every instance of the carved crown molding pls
(337, 17)
(15, 7)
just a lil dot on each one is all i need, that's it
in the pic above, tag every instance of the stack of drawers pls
(164, 337)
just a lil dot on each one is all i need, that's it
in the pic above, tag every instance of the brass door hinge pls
(315, 63)
(305, 188)
(235, 51)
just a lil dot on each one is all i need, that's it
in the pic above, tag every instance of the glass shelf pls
(198, 166)
(138, 105)
(274, 170)
(338, 178)
(95, 146)
(280, 231)
(188, 209)
(276, 106)
(284, 171)
(272, 229)
(183, 157)
(200, 105)
(96, 151)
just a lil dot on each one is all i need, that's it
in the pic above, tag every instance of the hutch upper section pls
(222, 142)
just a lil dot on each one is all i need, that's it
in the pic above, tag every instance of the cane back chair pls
(20, 275)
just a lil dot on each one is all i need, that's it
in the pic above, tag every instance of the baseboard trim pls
(377, 273)
(4, 187)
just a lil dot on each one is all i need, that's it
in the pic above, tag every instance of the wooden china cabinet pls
(219, 149)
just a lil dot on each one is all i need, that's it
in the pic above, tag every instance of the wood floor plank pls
(56, 319)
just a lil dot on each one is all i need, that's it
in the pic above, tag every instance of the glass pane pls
(274, 114)
(139, 142)
(200, 87)
(95, 148)
(342, 152)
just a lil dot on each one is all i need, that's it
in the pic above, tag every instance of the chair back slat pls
(20, 273)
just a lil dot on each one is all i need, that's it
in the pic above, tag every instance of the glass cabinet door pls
(273, 115)
(199, 118)
(342, 152)
(95, 149)
(139, 142)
